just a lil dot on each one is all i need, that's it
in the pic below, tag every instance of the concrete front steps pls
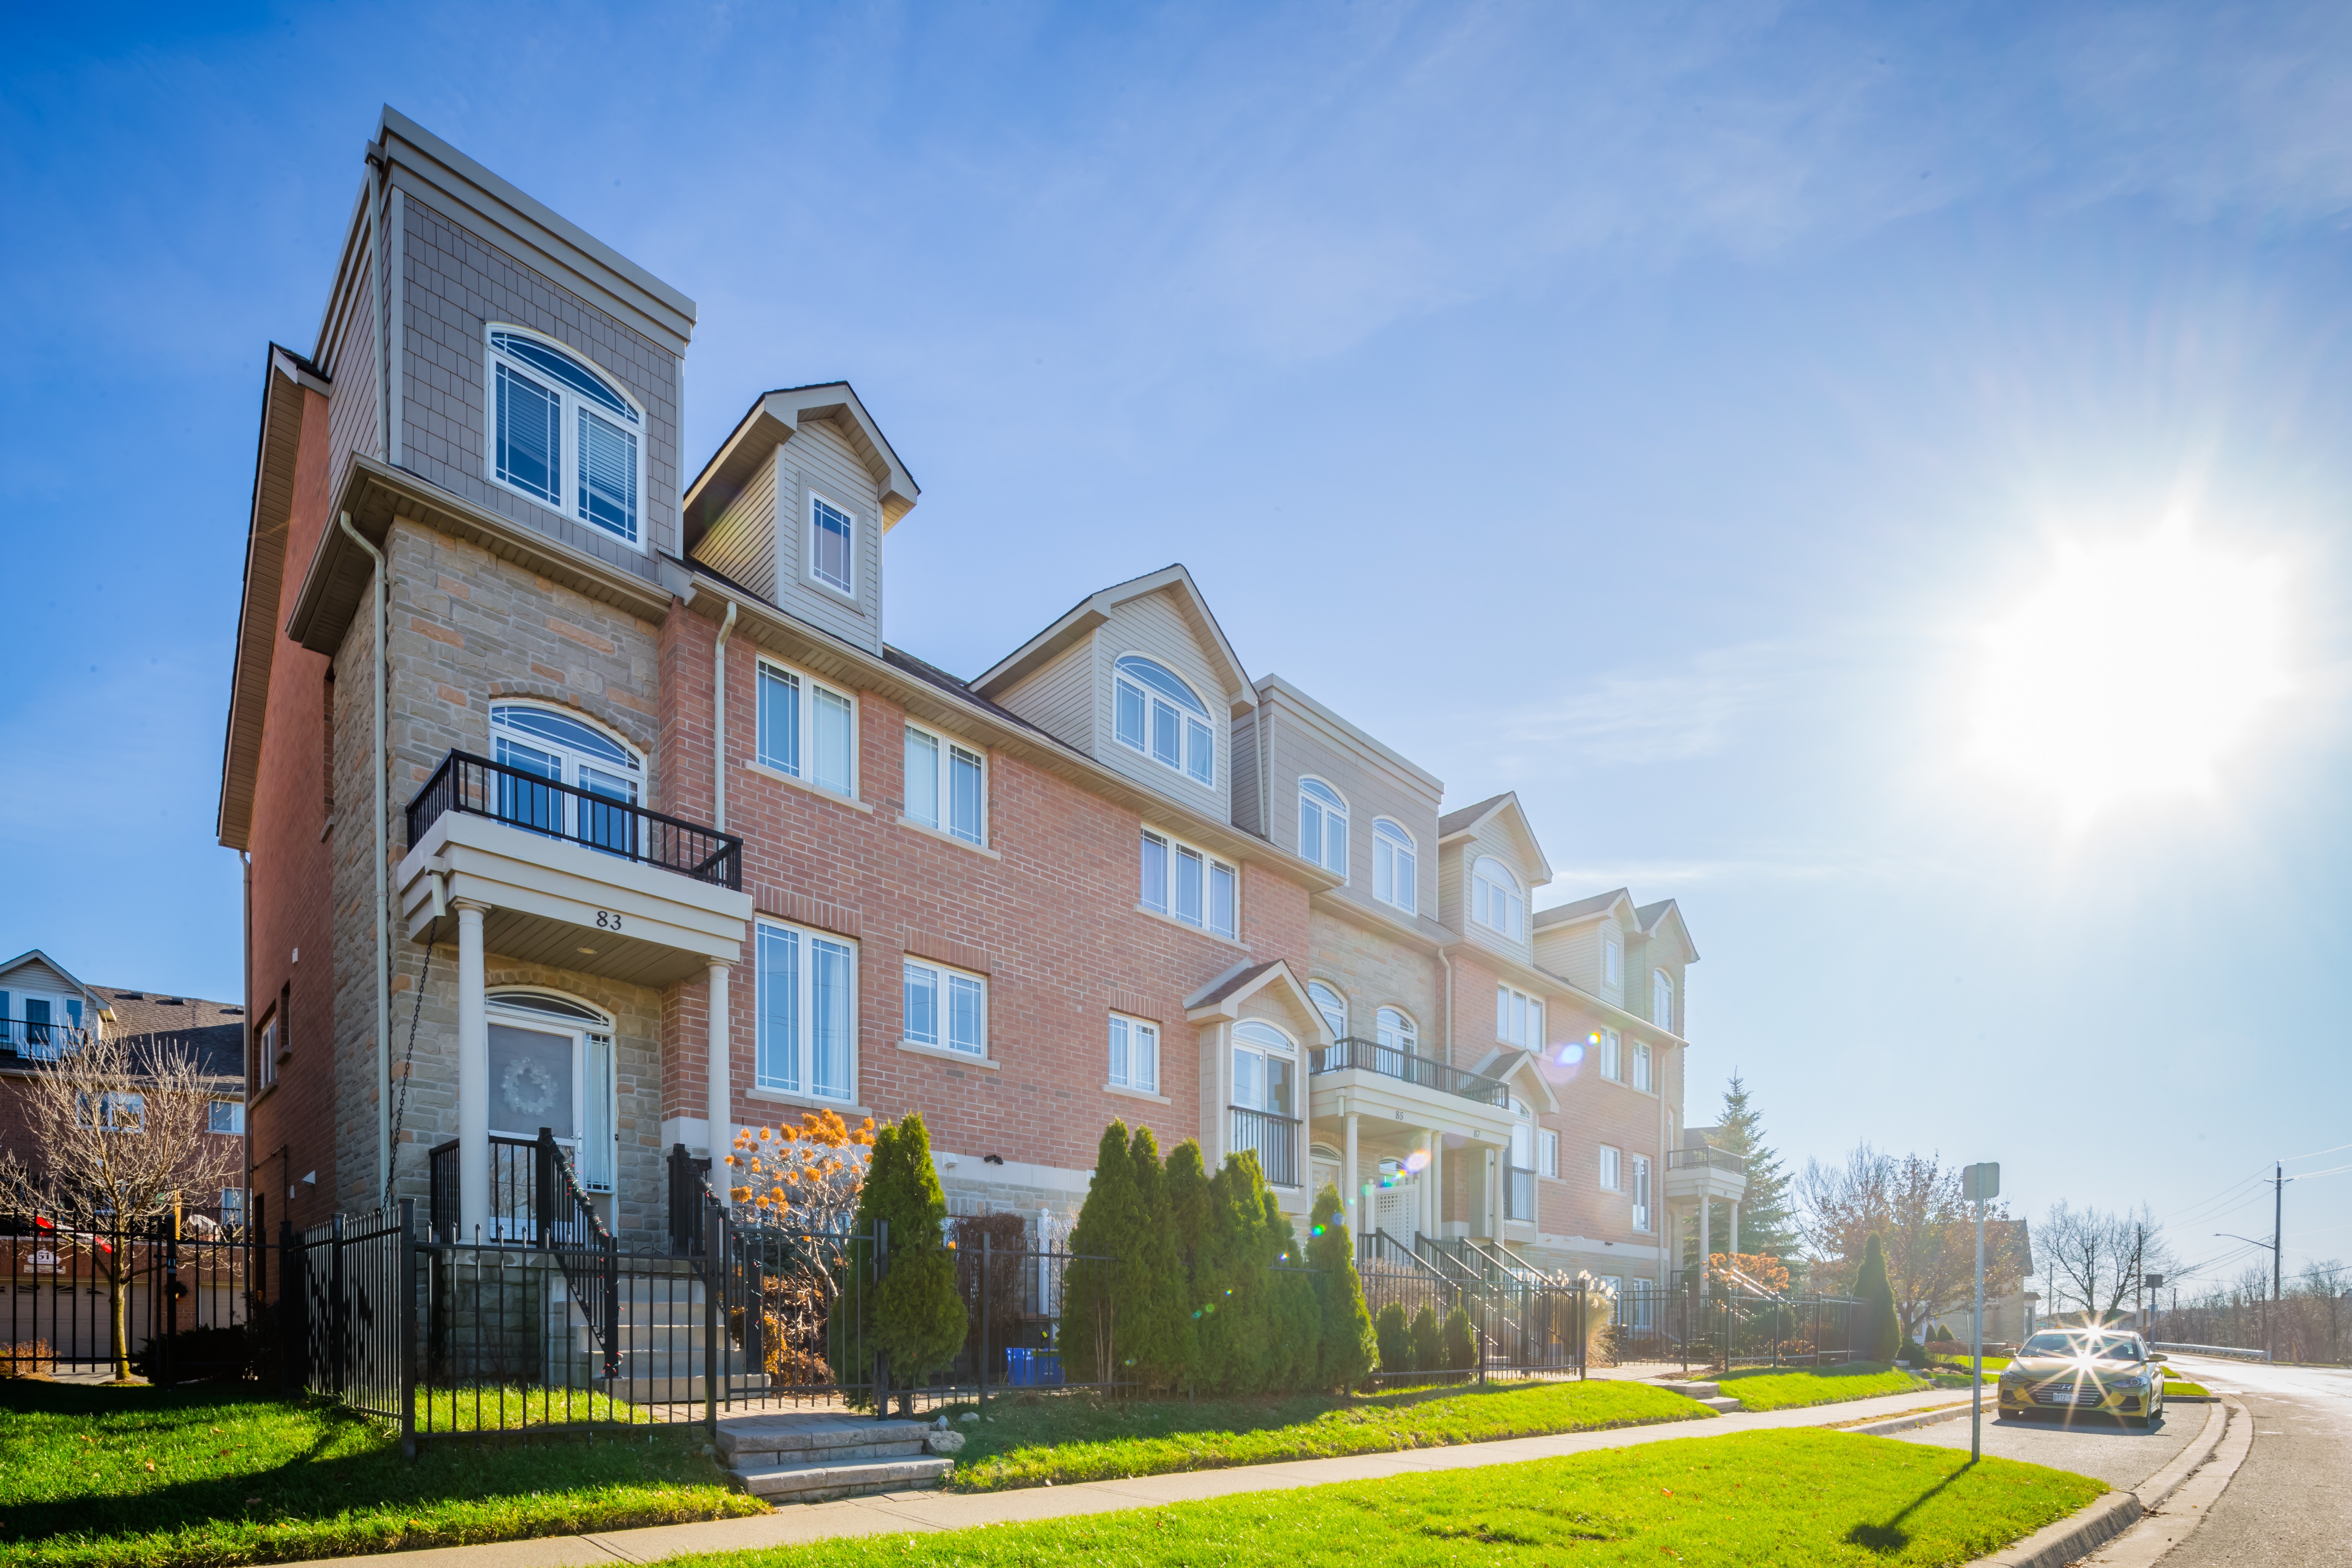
(660, 1342)
(814, 1458)
(1710, 1395)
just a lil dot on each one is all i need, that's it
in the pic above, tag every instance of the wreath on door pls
(528, 1086)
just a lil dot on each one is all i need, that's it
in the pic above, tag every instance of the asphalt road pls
(2084, 1443)
(2292, 1500)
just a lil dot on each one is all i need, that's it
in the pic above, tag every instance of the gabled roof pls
(1223, 996)
(1510, 1064)
(33, 952)
(1665, 917)
(1093, 610)
(213, 1031)
(774, 418)
(1470, 818)
(1586, 908)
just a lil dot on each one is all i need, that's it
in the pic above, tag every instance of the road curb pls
(2080, 1534)
(1908, 1423)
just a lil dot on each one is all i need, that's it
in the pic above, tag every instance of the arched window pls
(551, 1060)
(1393, 861)
(565, 434)
(1161, 717)
(1397, 1032)
(540, 742)
(1331, 1004)
(1662, 999)
(1264, 1062)
(1322, 825)
(1495, 901)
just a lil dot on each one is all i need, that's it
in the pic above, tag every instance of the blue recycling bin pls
(1033, 1369)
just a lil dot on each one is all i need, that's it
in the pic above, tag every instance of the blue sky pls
(1648, 414)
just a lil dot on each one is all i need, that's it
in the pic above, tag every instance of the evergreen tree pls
(1768, 1218)
(1461, 1343)
(1230, 1279)
(1187, 1179)
(1093, 1337)
(1348, 1343)
(1428, 1341)
(1294, 1310)
(914, 1318)
(1876, 1334)
(1155, 1323)
(1394, 1335)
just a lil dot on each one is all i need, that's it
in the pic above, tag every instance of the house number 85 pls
(607, 920)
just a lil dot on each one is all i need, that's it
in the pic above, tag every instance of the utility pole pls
(2278, 1254)
(1980, 1185)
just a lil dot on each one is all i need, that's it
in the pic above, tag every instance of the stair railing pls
(569, 1227)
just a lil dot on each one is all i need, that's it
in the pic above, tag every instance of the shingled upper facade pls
(592, 797)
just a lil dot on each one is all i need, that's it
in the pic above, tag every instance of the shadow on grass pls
(1891, 1537)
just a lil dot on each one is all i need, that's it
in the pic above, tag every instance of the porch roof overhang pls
(1358, 1091)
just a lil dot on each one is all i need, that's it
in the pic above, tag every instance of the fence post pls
(981, 1372)
(543, 1183)
(338, 1326)
(714, 1245)
(881, 1373)
(405, 1283)
(293, 1320)
(167, 1242)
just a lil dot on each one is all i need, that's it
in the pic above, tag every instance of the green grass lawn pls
(2186, 1389)
(1780, 1498)
(1075, 1437)
(147, 1478)
(1765, 1389)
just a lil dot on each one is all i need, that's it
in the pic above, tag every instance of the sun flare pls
(2133, 670)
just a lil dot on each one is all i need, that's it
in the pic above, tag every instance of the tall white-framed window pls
(947, 786)
(1162, 716)
(1394, 866)
(1265, 1067)
(1523, 1135)
(564, 433)
(1548, 1153)
(1612, 1169)
(946, 1009)
(551, 1060)
(832, 546)
(546, 743)
(226, 1117)
(39, 1026)
(1134, 1054)
(1495, 901)
(1662, 999)
(265, 1052)
(1613, 1058)
(1519, 1018)
(1642, 1066)
(1190, 885)
(806, 984)
(808, 730)
(1322, 825)
(1640, 1192)
(1397, 1031)
(1612, 962)
(1331, 1004)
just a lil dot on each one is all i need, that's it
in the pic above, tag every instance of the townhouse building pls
(593, 791)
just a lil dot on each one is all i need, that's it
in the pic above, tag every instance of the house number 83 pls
(607, 920)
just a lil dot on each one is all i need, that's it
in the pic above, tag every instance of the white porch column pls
(473, 1080)
(1705, 1236)
(722, 1106)
(1354, 1213)
(1733, 1244)
(1435, 1144)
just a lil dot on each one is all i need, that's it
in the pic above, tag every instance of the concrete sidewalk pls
(891, 1513)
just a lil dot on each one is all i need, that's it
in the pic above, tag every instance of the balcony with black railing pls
(1355, 1055)
(39, 1039)
(479, 787)
(1273, 1139)
(1710, 1173)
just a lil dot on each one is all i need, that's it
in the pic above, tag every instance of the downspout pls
(1669, 1236)
(382, 906)
(719, 720)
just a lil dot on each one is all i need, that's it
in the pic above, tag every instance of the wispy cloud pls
(1631, 718)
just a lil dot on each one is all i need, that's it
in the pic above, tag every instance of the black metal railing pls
(523, 1200)
(1518, 1193)
(38, 1040)
(467, 783)
(1704, 1159)
(1389, 1061)
(1273, 1139)
(569, 1227)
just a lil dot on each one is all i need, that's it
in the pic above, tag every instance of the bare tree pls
(1913, 1204)
(2097, 1259)
(120, 1130)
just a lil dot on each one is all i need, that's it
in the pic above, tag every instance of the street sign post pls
(1979, 1185)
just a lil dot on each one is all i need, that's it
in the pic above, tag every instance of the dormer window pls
(1662, 999)
(1161, 717)
(1322, 825)
(564, 434)
(1613, 960)
(1495, 901)
(831, 534)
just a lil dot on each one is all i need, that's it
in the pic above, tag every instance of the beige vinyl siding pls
(454, 283)
(1059, 698)
(819, 460)
(1496, 839)
(743, 542)
(36, 975)
(1249, 815)
(1155, 628)
(1305, 744)
(1573, 951)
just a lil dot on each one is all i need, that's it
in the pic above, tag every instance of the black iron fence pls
(1726, 1327)
(171, 1297)
(467, 783)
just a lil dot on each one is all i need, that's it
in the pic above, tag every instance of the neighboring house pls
(673, 843)
(45, 1013)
